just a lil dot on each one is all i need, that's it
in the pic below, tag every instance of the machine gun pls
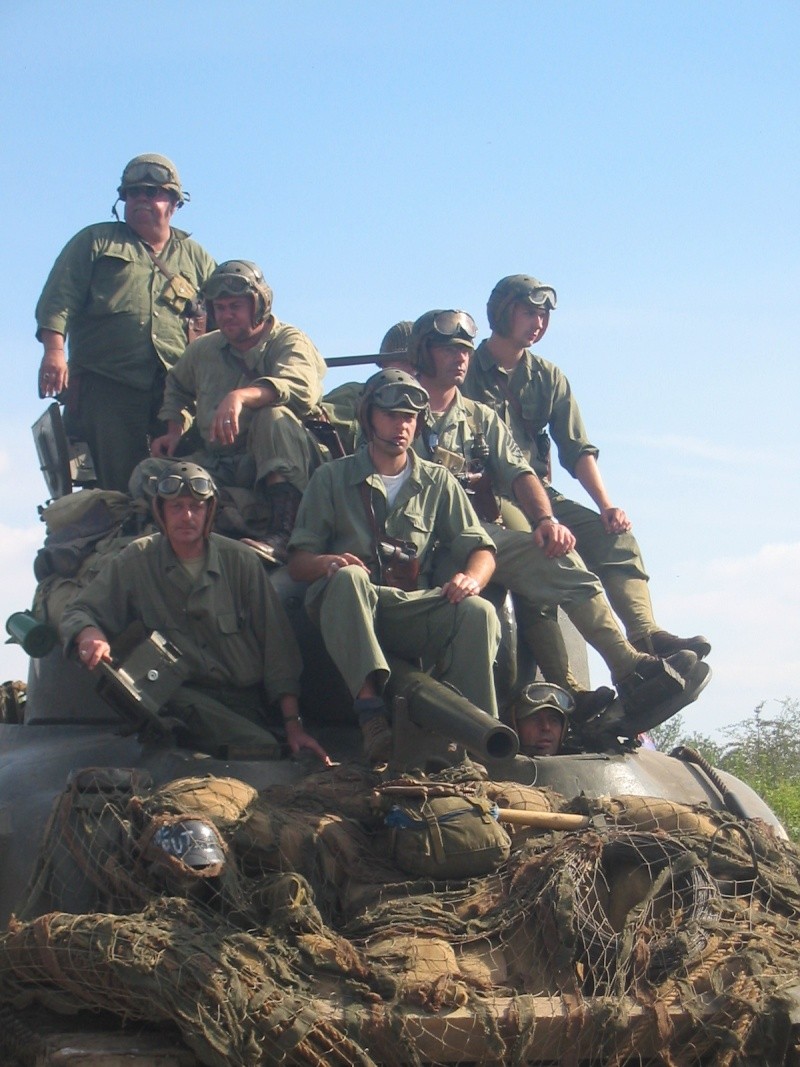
(432, 720)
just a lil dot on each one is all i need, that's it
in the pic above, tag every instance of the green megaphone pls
(37, 638)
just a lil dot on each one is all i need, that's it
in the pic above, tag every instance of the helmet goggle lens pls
(546, 694)
(455, 324)
(191, 841)
(148, 174)
(230, 284)
(398, 397)
(174, 484)
(541, 298)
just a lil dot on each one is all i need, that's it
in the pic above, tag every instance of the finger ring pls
(227, 422)
(84, 653)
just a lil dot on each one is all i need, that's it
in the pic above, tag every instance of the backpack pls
(442, 837)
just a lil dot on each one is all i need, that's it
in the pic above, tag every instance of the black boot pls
(590, 702)
(284, 501)
(655, 680)
(663, 643)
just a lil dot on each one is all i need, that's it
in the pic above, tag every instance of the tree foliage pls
(763, 750)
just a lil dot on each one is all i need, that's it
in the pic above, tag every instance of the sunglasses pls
(150, 192)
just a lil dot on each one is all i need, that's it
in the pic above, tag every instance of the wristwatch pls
(545, 518)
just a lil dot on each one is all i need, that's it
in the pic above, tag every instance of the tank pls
(462, 904)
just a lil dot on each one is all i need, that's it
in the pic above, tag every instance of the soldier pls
(341, 404)
(125, 294)
(534, 398)
(473, 442)
(541, 718)
(211, 598)
(364, 539)
(249, 386)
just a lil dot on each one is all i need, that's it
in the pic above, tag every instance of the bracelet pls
(292, 718)
(545, 518)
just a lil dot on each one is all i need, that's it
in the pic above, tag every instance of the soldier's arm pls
(588, 474)
(476, 575)
(555, 539)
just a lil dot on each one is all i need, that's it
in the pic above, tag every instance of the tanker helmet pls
(235, 277)
(540, 695)
(183, 479)
(516, 288)
(153, 170)
(391, 390)
(439, 327)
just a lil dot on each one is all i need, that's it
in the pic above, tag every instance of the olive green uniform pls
(107, 296)
(538, 582)
(358, 617)
(341, 407)
(274, 436)
(238, 648)
(534, 400)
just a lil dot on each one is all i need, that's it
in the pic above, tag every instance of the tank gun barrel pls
(434, 706)
(354, 361)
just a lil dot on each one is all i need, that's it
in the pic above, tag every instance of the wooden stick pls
(545, 820)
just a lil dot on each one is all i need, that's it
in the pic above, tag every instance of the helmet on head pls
(510, 290)
(440, 327)
(395, 342)
(154, 170)
(182, 479)
(538, 696)
(237, 276)
(390, 390)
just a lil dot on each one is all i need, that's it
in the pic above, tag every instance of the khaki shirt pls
(430, 508)
(228, 623)
(105, 295)
(341, 405)
(455, 431)
(210, 368)
(536, 396)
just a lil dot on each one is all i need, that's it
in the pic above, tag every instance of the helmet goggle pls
(192, 842)
(544, 298)
(544, 694)
(147, 174)
(399, 397)
(232, 284)
(455, 324)
(171, 485)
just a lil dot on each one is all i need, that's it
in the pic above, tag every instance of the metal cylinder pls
(435, 706)
(37, 638)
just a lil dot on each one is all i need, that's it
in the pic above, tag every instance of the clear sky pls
(378, 160)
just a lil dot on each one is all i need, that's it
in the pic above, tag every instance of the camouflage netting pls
(647, 933)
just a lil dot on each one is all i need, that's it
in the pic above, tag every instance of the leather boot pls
(284, 502)
(663, 643)
(655, 680)
(373, 718)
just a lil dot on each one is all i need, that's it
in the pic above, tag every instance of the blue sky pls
(381, 160)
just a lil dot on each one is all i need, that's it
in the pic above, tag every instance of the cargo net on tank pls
(300, 926)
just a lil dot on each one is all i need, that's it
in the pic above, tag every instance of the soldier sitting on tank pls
(536, 563)
(364, 539)
(341, 403)
(211, 598)
(540, 715)
(535, 400)
(125, 294)
(249, 385)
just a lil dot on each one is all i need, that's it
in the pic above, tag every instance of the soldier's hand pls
(225, 427)
(298, 740)
(165, 445)
(334, 563)
(92, 646)
(460, 587)
(53, 374)
(615, 521)
(554, 539)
